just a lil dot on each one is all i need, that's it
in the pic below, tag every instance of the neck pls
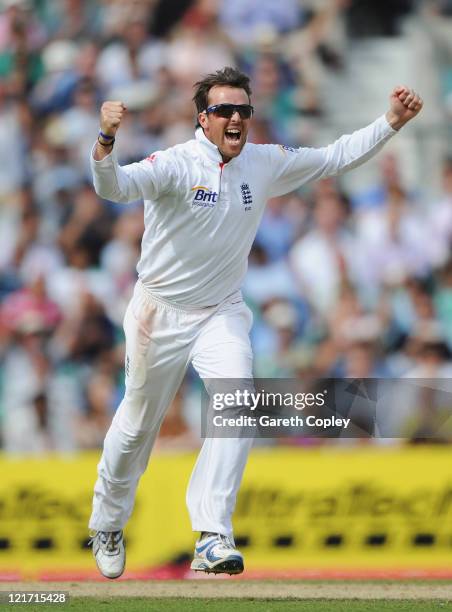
(224, 158)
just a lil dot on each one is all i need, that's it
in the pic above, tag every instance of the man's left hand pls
(405, 104)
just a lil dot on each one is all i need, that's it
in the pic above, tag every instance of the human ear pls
(203, 121)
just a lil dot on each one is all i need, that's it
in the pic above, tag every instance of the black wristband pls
(106, 144)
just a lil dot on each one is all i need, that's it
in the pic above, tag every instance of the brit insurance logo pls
(204, 197)
(247, 198)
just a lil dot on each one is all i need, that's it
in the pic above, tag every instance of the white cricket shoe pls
(109, 552)
(217, 554)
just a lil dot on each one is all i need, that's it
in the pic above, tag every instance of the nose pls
(236, 115)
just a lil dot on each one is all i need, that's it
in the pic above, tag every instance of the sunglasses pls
(227, 110)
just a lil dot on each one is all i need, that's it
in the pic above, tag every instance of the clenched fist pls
(111, 114)
(405, 104)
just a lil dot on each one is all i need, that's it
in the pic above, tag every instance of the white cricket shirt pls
(201, 215)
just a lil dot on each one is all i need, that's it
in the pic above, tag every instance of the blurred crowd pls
(342, 283)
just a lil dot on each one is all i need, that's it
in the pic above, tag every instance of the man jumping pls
(203, 201)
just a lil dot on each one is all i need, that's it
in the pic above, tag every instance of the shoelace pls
(226, 541)
(110, 539)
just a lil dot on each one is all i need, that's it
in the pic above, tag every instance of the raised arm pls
(294, 167)
(146, 179)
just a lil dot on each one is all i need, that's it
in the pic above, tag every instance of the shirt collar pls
(209, 149)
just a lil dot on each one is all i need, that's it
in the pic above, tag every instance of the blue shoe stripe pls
(199, 549)
(210, 556)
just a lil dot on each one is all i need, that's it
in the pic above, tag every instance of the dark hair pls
(229, 77)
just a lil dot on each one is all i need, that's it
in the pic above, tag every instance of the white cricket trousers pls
(161, 340)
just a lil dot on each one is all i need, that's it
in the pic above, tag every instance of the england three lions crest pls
(247, 197)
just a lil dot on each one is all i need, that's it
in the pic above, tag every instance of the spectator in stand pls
(393, 243)
(442, 299)
(323, 259)
(440, 220)
(13, 138)
(245, 21)
(132, 55)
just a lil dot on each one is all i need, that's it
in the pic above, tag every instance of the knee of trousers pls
(129, 436)
(125, 457)
(132, 433)
(139, 415)
(132, 439)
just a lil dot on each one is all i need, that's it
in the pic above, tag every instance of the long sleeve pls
(294, 167)
(146, 179)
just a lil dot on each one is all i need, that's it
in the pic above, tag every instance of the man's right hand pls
(111, 114)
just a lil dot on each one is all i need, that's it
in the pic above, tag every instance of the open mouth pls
(233, 135)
